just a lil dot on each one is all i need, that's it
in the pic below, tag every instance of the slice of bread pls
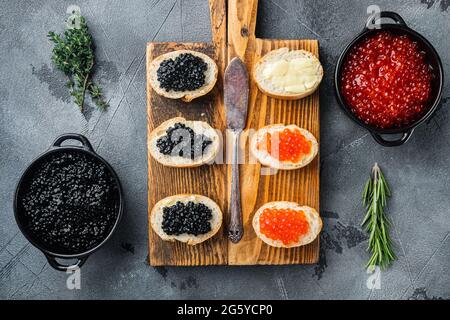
(304, 88)
(199, 127)
(315, 223)
(267, 159)
(156, 218)
(210, 79)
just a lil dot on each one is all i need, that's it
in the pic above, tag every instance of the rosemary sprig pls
(374, 197)
(73, 54)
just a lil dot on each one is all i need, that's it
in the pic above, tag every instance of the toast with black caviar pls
(183, 74)
(188, 218)
(181, 143)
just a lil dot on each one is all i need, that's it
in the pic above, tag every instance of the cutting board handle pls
(217, 11)
(241, 23)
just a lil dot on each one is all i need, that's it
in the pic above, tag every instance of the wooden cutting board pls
(209, 180)
(258, 185)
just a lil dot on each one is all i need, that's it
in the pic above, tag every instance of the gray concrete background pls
(35, 107)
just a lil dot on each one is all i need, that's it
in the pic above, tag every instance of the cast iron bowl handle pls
(73, 136)
(371, 22)
(392, 143)
(58, 266)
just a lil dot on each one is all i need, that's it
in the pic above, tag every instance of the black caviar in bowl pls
(68, 202)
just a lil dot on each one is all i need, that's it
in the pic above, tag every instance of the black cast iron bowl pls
(49, 253)
(374, 25)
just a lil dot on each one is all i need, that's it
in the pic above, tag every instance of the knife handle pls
(235, 229)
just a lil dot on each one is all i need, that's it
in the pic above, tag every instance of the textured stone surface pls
(35, 107)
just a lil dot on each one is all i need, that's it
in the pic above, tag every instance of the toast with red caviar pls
(174, 219)
(286, 224)
(284, 147)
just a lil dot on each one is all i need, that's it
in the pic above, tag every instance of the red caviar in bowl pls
(386, 80)
(287, 145)
(285, 225)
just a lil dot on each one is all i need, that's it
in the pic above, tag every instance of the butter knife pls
(236, 90)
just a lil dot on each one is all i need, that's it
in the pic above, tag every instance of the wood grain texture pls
(208, 180)
(258, 187)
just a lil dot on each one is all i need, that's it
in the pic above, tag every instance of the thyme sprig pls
(374, 197)
(73, 54)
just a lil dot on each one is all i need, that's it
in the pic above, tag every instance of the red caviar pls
(287, 145)
(286, 225)
(386, 80)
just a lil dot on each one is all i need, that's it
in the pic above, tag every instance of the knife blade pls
(236, 90)
(236, 94)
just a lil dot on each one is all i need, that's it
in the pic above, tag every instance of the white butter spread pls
(296, 75)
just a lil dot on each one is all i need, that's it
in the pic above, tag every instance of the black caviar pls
(69, 202)
(183, 141)
(191, 218)
(184, 73)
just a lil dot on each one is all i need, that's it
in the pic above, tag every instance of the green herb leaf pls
(73, 54)
(374, 198)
